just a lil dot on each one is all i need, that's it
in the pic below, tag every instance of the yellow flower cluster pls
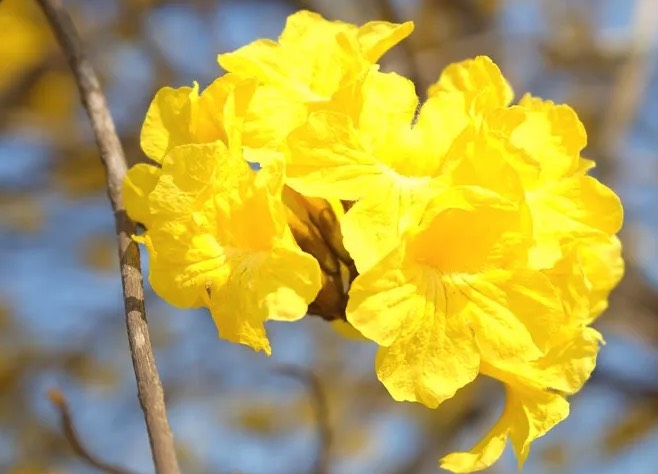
(473, 240)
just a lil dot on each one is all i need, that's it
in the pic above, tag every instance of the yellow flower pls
(567, 205)
(315, 58)
(315, 64)
(182, 116)
(200, 207)
(457, 299)
(204, 247)
(382, 160)
(482, 244)
(456, 288)
(573, 214)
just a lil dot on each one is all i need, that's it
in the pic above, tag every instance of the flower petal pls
(139, 182)
(481, 251)
(603, 267)
(513, 313)
(479, 80)
(167, 121)
(382, 301)
(552, 135)
(270, 118)
(183, 116)
(204, 250)
(375, 224)
(389, 101)
(277, 285)
(437, 359)
(535, 400)
(377, 37)
(428, 351)
(527, 416)
(327, 159)
(485, 453)
(440, 121)
(181, 270)
(313, 59)
(573, 208)
(309, 30)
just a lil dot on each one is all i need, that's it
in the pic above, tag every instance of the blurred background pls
(61, 316)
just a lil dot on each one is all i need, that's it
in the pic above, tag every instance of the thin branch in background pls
(149, 386)
(320, 409)
(68, 427)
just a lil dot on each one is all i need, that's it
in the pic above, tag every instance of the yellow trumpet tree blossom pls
(463, 236)
(216, 230)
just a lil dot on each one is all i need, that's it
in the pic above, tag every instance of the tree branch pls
(66, 421)
(320, 407)
(149, 387)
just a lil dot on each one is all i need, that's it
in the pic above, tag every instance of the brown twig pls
(149, 387)
(68, 427)
(321, 410)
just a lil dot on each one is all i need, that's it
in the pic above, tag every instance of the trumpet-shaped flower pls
(315, 64)
(204, 249)
(503, 289)
(380, 158)
(315, 58)
(482, 245)
(200, 204)
(183, 116)
(456, 288)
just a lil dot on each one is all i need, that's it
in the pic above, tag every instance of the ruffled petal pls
(428, 352)
(270, 118)
(535, 399)
(441, 120)
(139, 182)
(265, 285)
(382, 301)
(182, 202)
(263, 59)
(309, 30)
(238, 315)
(183, 116)
(287, 282)
(513, 313)
(436, 360)
(480, 82)
(603, 267)
(552, 135)
(389, 101)
(479, 246)
(167, 121)
(327, 159)
(535, 413)
(312, 60)
(377, 37)
(375, 224)
(181, 270)
(485, 453)
(569, 210)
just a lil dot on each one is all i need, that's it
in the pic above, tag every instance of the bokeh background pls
(61, 321)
